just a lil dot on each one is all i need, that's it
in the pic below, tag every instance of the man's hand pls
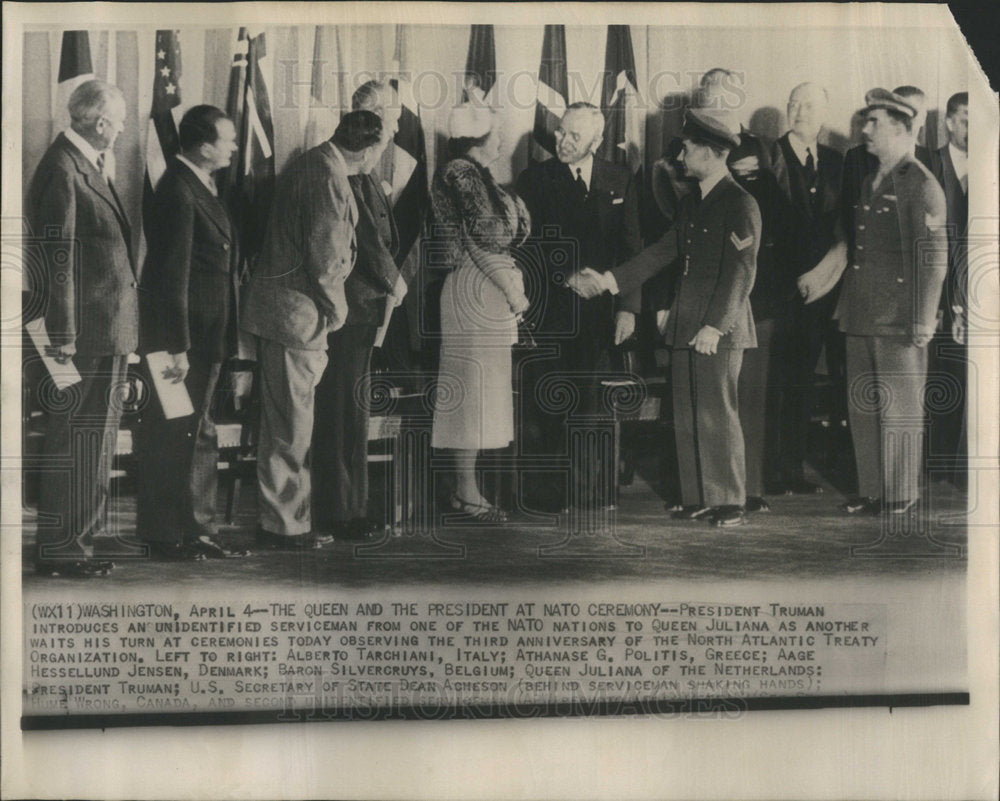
(706, 341)
(959, 329)
(61, 353)
(398, 292)
(662, 318)
(624, 326)
(920, 340)
(587, 283)
(178, 369)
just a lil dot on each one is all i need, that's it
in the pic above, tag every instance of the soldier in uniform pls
(888, 305)
(715, 239)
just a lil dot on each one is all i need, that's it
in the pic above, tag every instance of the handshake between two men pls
(588, 284)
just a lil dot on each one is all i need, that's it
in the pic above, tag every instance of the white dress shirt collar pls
(199, 173)
(586, 168)
(83, 146)
(801, 148)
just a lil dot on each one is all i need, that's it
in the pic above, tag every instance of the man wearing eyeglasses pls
(91, 319)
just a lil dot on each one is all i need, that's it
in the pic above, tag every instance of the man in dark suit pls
(294, 300)
(340, 432)
(948, 356)
(91, 318)
(584, 211)
(888, 308)
(714, 239)
(187, 309)
(810, 175)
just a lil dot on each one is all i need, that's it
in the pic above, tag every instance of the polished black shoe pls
(861, 504)
(693, 512)
(726, 516)
(204, 547)
(900, 507)
(757, 504)
(802, 487)
(270, 541)
(83, 568)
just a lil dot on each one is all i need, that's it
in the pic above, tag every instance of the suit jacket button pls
(899, 280)
(134, 285)
(225, 246)
(857, 266)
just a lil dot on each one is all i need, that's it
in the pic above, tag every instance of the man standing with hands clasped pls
(715, 236)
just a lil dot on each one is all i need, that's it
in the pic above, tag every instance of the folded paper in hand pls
(174, 398)
(63, 375)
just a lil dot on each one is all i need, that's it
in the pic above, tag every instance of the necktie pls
(101, 164)
(810, 165)
(581, 185)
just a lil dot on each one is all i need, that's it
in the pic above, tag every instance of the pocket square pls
(616, 201)
(740, 244)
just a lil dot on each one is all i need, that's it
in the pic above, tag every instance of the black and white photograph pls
(428, 385)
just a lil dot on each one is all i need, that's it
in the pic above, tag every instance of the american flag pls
(622, 127)
(161, 136)
(481, 64)
(553, 90)
(250, 179)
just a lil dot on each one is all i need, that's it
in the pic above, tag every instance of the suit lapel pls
(100, 187)
(207, 202)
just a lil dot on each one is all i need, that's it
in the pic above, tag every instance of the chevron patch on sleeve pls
(740, 244)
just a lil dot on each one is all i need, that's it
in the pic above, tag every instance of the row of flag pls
(249, 183)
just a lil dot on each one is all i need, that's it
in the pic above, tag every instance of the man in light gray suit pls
(295, 298)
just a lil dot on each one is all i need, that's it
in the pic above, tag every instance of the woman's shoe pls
(480, 512)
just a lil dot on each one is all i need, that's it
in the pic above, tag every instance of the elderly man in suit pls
(810, 175)
(714, 241)
(187, 309)
(584, 211)
(294, 300)
(340, 433)
(950, 165)
(91, 317)
(888, 307)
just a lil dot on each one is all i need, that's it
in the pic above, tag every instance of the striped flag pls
(326, 101)
(250, 179)
(481, 64)
(75, 67)
(622, 127)
(161, 136)
(410, 199)
(553, 90)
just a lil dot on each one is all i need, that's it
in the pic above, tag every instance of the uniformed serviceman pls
(714, 241)
(888, 306)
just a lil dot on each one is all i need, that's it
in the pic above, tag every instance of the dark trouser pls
(80, 438)
(947, 398)
(885, 384)
(547, 409)
(756, 408)
(340, 428)
(178, 462)
(806, 331)
(710, 453)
